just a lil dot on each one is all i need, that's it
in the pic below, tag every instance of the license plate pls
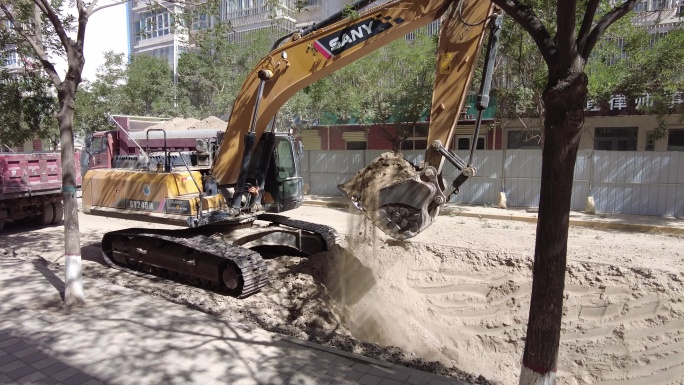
(142, 205)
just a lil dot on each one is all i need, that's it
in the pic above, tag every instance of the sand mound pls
(175, 124)
(468, 308)
(211, 122)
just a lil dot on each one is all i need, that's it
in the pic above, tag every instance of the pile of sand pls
(468, 308)
(211, 122)
(175, 124)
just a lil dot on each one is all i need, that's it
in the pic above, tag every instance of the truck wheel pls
(58, 208)
(48, 214)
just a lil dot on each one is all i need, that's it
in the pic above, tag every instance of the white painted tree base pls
(73, 282)
(530, 377)
(590, 207)
(502, 200)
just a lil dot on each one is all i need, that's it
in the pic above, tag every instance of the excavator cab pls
(276, 162)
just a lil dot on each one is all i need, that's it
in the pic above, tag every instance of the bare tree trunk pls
(562, 124)
(73, 294)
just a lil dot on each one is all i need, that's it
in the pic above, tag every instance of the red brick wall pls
(377, 141)
(336, 141)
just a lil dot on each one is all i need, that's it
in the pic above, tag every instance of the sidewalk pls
(624, 222)
(124, 337)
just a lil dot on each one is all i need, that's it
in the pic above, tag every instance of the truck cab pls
(100, 149)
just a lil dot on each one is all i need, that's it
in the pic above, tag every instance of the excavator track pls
(208, 261)
(328, 234)
(203, 258)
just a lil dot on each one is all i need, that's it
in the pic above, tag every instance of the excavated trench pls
(451, 310)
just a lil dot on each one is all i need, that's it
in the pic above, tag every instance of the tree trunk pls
(564, 101)
(73, 294)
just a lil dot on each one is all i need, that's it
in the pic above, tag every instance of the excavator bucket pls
(396, 197)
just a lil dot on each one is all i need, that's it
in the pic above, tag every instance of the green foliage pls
(392, 84)
(523, 72)
(627, 60)
(27, 107)
(408, 94)
(350, 12)
(149, 87)
(648, 65)
(103, 96)
(142, 87)
(210, 76)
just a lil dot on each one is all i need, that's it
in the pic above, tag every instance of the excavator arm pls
(403, 200)
(305, 59)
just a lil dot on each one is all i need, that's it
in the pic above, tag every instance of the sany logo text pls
(357, 33)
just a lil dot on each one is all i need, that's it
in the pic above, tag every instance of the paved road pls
(125, 337)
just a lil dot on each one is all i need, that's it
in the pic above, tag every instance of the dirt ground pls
(452, 300)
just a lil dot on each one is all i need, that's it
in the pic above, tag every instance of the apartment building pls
(151, 30)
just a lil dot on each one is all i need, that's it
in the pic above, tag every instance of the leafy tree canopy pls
(27, 107)
(629, 60)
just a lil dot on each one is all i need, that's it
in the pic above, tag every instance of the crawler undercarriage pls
(219, 258)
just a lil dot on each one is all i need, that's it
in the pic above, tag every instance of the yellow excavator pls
(227, 189)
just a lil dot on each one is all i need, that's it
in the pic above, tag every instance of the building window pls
(463, 142)
(242, 8)
(413, 144)
(416, 137)
(357, 145)
(524, 140)
(640, 7)
(10, 58)
(152, 24)
(199, 21)
(675, 140)
(615, 139)
(650, 141)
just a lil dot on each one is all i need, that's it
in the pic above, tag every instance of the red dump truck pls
(31, 187)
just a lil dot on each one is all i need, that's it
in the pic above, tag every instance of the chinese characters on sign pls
(619, 102)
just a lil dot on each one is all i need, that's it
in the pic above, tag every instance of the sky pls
(106, 31)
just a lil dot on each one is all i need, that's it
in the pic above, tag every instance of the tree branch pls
(42, 7)
(605, 22)
(565, 34)
(92, 9)
(56, 23)
(40, 52)
(589, 14)
(525, 16)
(82, 22)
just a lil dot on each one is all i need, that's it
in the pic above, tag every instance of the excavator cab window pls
(285, 160)
(283, 182)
